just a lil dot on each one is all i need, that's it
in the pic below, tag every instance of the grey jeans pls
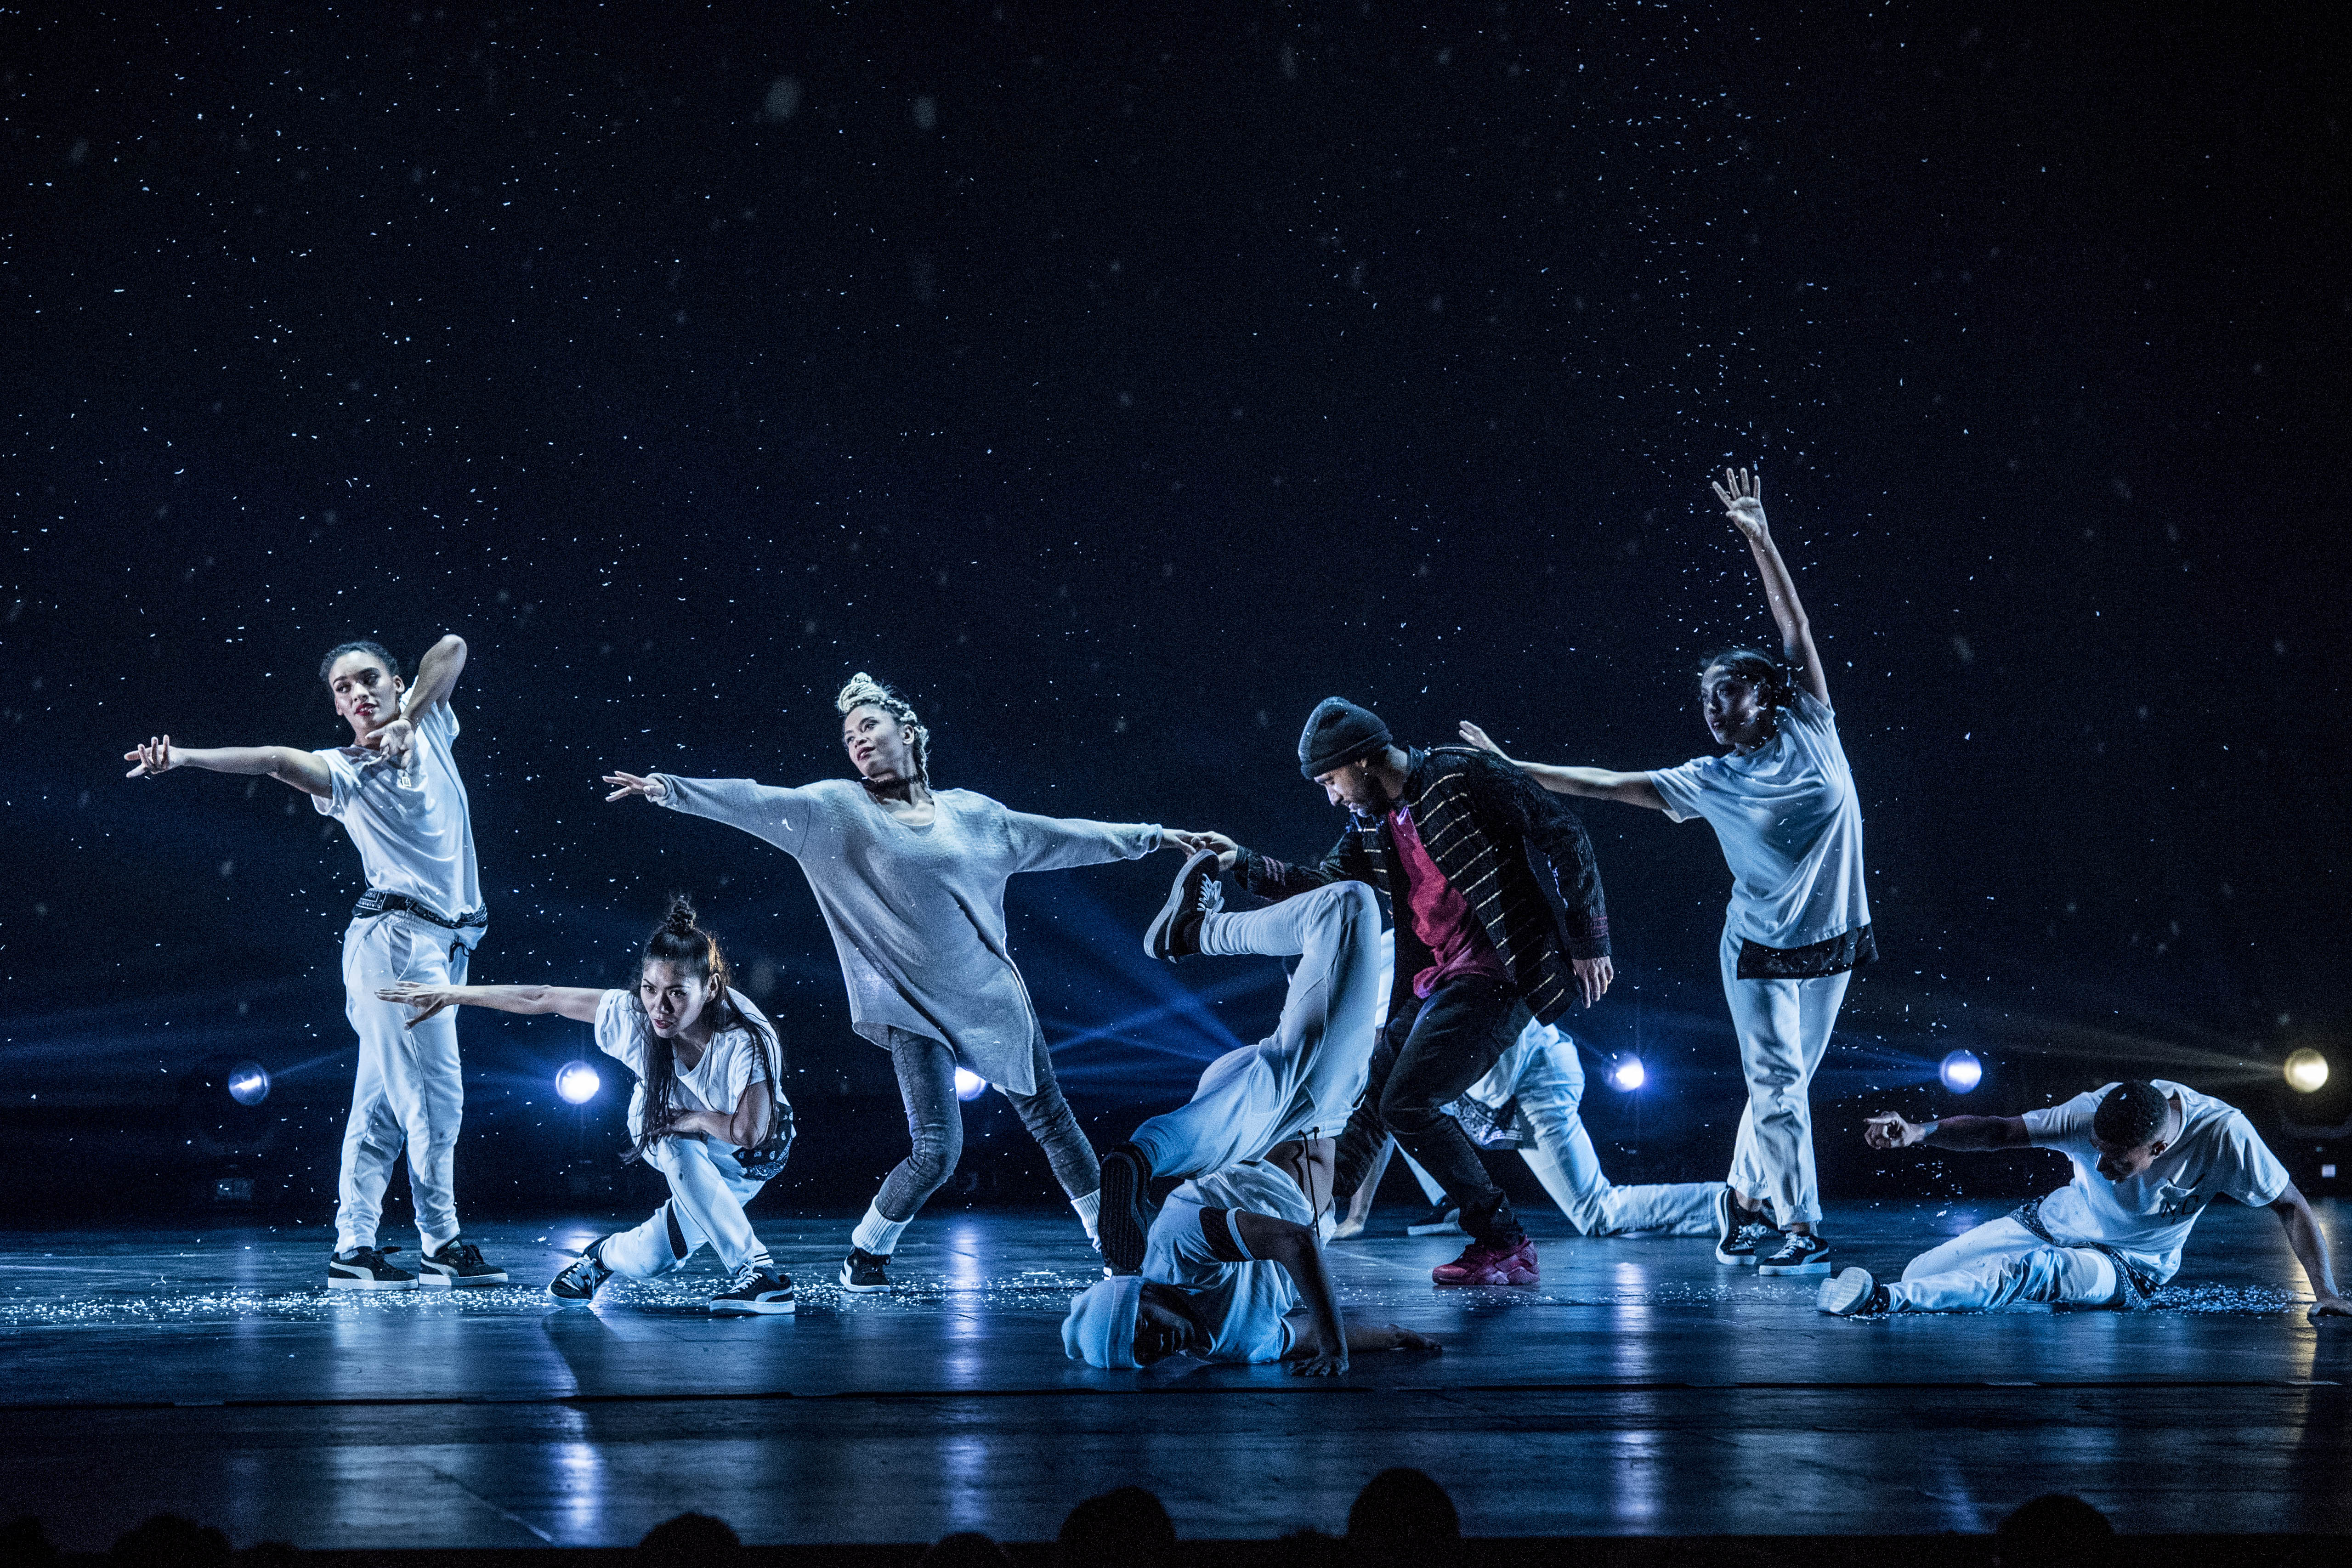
(926, 1068)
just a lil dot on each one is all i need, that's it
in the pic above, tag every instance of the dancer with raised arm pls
(911, 883)
(1781, 800)
(395, 790)
(1498, 915)
(709, 1111)
(2149, 1157)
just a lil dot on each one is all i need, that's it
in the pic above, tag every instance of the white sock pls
(876, 1236)
(1087, 1207)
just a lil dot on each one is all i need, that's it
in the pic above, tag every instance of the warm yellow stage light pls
(2306, 1070)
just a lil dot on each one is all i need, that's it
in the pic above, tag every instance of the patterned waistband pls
(2138, 1292)
(376, 900)
(1835, 956)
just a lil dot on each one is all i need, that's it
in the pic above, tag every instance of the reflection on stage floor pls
(1639, 1389)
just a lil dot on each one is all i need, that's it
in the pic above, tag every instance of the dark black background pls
(1118, 384)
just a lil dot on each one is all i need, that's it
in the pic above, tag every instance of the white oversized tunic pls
(918, 914)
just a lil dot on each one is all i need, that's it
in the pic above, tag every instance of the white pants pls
(410, 1089)
(1550, 1092)
(708, 1191)
(2001, 1263)
(1784, 1029)
(1303, 1081)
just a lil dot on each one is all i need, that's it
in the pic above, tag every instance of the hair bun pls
(680, 919)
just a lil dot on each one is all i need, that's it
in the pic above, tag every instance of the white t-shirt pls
(414, 829)
(730, 1064)
(1789, 826)
(1195, 1246)
(2149, 1216)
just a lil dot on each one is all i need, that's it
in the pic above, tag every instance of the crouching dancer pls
(1299, 1083)
(2149, 1157)
(709, 1111)
(397, 791)
(1233, 1272)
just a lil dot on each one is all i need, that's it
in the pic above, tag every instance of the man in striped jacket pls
(1496, 902)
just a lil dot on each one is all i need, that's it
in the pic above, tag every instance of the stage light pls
(2306, 1071)
(969, 1084)
(577, 1083)
(1627, 1072)
(1961, 1071)
(248, 1083)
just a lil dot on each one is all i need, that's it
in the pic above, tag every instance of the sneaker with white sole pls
(1800, 1253)
(578, 1284)
(862, 1275)
(1120, 1218)
(457, 1265)
(364, 1268)
(1852, 1293)
(1174, 932)
(1748, 1243)
(757, 1289)
(1484, 1264)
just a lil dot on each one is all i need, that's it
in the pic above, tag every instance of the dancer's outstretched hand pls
(628, 784)
(1408, 1340)
(1742, 494)
(1192, 843)
(409, 994)
(1322, 1363)
(154, 759)
(1888, 1130)
(1228, 851)
(1479, 739)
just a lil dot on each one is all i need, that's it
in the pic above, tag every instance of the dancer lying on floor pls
(2149, 1157)
(709, 1111)
(1531, 1100)
(1300, 1083)
(911, 883)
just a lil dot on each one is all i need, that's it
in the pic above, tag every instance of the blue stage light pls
(1627, 1072)
(1961, 1071)
(969, 1084)
(249, 1083)
(577, 1083)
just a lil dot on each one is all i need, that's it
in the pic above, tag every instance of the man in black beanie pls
(1496, 902)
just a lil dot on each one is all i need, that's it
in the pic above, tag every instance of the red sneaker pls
(1483, 1265)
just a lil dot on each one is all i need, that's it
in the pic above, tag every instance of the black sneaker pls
(1851, 1294)
(1119, 1219)
(363, 1269)
(1175, 932)
(1442, 1220)
(1748, 1239)
(1798, 1254)
(756, 1288)
(457, 1265)
(861, 1273)
(578, 1284)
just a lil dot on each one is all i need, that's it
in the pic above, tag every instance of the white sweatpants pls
(1302, 1080)
(1550, 1092)
(1784, 1028)
(410, 1089)
(708, 1191)
(2001, 1263)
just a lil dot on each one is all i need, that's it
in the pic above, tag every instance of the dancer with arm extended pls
(1781, 800)
(709, 1111)
(2148, 1155)
(911, 883)
(396, 790)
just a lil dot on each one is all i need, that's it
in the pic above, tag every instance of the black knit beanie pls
(1338, 732)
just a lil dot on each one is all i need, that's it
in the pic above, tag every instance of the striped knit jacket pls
(1519, 856)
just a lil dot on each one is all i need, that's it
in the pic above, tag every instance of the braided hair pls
(864, 691)
(680, 939)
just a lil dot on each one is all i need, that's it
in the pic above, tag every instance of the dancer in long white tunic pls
(911, 883)
(1781, 801)
(709, 1111)
(2150, 1158)
(1302, 1081)
(397, 791)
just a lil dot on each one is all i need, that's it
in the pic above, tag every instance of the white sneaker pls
(1851, 1293)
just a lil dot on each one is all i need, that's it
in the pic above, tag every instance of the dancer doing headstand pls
(912, 882)
(709, 1111)
(1298, 1084)
(1498, 915)
(1781, 800)
(395, 790)
(2149, 1157)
